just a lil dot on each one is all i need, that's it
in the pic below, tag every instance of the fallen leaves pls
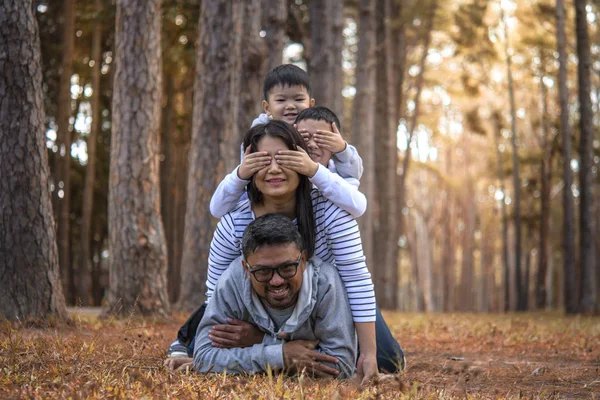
(448, 356)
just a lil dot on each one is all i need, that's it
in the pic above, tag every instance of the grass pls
(540, 356)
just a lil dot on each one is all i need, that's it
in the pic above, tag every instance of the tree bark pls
(62, 164)
(254, 60)
(325, 68)
(570, 287)
(467, 284)
(505, 263)
(84, 275)
(521, 306)
(546, 174)
(587, 245)
(138, 254)
(424, 266)
(275, 15)
(214, 130)
(30, 287)
(385, 230)
(400, 57)
(363, 129)
(448, 251)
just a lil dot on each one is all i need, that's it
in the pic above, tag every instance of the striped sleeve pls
(343, 239)
(224, 248)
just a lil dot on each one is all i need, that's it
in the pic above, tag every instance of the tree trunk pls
(214, 130)
(169, 157)
(544, 228)
(325, 68)
(399, 197)
(505, 263)
(587, 250)
(84, 274)
(424, 266)
(467, 286)
(448, 251)
(30, 287)
(570, 287)
(62, 164)
(138, 254)
(254, 59)
(486, 263)
(385, 234)
(400, 57)
(363, 130)
(275, 15)
(415, 114)
(516, 180)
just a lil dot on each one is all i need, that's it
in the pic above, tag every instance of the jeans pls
(390, 357)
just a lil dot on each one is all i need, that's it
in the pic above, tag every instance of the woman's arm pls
(343, 237)
(228, 193)
(224, 248)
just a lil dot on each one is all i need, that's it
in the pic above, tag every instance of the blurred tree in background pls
(478, 122)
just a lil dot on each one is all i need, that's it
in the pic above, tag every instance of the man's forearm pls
(248, 360)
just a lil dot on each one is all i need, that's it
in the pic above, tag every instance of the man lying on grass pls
(300, 305)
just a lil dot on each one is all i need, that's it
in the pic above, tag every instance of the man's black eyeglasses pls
(286, 270)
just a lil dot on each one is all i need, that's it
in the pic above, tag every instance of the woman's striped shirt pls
(337, 243)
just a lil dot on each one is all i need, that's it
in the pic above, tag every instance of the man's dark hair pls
(304, 210)
(270, 230)
(319, 114)
(285, 75)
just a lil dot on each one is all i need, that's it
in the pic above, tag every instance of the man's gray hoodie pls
(321, 313)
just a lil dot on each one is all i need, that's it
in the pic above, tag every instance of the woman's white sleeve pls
(230, 191)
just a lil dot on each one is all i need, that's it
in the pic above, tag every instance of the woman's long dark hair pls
(304, 210)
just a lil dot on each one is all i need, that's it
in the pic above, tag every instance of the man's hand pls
(252, 163)
(300, 354)
(235, 334)
(366, 368)
(331, 141)
(298, 161)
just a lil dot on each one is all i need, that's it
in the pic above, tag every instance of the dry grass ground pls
(542, 356)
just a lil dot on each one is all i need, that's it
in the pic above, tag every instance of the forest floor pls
(480, 356)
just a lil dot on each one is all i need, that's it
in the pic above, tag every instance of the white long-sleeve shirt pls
(337, 242)
(338, 182)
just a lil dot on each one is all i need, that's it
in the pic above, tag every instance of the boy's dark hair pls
(319, 114)
(304, 210)
(285, 75)
(269, 230)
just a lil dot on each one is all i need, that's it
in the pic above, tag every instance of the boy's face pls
(284, 103)
(317, 153)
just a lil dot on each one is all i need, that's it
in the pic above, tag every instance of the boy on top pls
(286, 92)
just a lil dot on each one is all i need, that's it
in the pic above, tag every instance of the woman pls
(329, 232)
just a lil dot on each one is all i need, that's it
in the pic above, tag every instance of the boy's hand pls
(331, 141)
(304, 133)
(298, 161)
(252, 163)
